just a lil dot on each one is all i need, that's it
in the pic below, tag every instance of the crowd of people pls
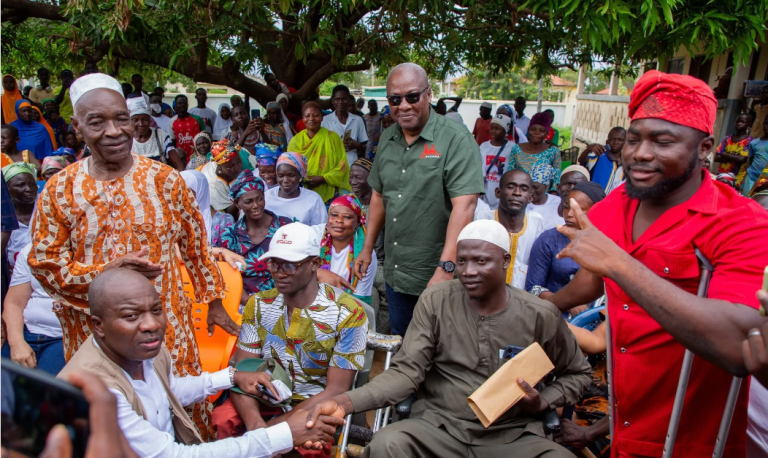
(484, 238)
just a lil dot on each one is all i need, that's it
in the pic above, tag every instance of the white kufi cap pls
(90, 82)
(486, 230)
(137, 106)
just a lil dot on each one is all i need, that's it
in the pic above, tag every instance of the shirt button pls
(623, 350)
(408, 148)
(482, 318)
(626, 423)
(395, 243)
(395, 266)
(666, 270)
(403, 170)
(399, 196)
(394, 220)
(626, 307)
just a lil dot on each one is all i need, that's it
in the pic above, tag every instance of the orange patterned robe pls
(83, 224)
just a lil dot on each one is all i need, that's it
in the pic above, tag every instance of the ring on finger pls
(754, 333)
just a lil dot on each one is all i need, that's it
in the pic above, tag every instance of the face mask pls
(155, 107)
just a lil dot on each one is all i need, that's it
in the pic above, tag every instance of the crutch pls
(609, 366)
(682, 384)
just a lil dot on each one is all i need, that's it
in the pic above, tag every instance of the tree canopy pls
(305, 42)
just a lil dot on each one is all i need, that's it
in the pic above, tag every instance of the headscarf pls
(236, 97)
(385, 111)
(364, 163)
(47, 126)
(358, 239)
(286, 121)
(541, 119)
(197, 182)
(9, 99)
(267, 154)
(274, 106)
(53, 162)
(10, 171)
(33, 135)
(729, 178)
(224, 151)
(295, 160)
(679, 99)
(138, 106)
(593, 190)
(46, 101)
(243, 183)
(542, 173)
(194, 141)
(577, 168)
(63, 151)
(222, 124)
(280, 97)
(509, 110)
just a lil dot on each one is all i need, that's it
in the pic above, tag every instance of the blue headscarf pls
(385, 111)
(542, 173)
(267, 154)
(63, 151)
(32, 135)
(243, 183)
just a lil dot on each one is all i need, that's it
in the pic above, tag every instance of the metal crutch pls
(609, 366)
(682, 384)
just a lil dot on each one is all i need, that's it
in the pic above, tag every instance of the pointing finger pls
(581, 217)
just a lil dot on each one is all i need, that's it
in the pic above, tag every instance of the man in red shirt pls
(482, 130)
(184, 126)
(639, 243)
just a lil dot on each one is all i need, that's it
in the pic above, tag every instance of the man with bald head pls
(426, 180)
(118, 209)
(126, 351)
(453, 346)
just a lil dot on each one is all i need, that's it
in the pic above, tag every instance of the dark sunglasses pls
(413, 97)
(289, 268)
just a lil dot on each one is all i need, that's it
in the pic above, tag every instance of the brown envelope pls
(500, 392)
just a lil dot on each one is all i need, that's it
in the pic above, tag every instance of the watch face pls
(448, 266)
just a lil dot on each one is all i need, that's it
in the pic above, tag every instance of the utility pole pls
(373, 75)
(541, 95)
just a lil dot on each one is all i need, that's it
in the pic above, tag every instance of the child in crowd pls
(732, 154)
(9, 137)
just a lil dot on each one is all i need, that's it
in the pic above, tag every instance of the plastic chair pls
(215, 350)
(589, 319)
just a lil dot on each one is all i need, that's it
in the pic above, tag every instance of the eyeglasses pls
(289, 268)
(413, 97)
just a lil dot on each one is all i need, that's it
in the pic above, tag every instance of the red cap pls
(679, 99)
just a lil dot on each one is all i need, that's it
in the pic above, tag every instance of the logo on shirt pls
(430, 151)
(284, 240)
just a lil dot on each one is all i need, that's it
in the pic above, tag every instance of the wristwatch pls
(448, 266)
(232, 371)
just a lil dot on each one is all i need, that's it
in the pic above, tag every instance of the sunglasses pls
(289, 268)
(413, 97)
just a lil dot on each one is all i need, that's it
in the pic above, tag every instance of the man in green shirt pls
(453, 346)
(426, 179)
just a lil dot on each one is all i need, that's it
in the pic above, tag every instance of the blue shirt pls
(9, 224)
(544, 268)
(603, 170)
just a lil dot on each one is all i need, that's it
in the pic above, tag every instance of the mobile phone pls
(33, 402)
(347, 134)
(765, 288)
(255, 113)
(510, 351)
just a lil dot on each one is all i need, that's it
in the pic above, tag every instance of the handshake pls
(319, 422)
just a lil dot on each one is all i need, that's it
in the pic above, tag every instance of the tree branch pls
(28, 9)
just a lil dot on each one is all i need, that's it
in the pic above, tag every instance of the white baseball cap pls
(293, 242)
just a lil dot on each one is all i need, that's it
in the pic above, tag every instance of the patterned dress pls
(740, 148)
(82, 224)
(520, 160)
(256, 276)
(332, 332)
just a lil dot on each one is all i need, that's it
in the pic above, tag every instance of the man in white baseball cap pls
(455, 342)
(315, 331)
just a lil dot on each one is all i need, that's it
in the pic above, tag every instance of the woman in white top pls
(20, 178)
(495, 156)
(341, 240)
(289, 199)
(34, 332)
(148, 141)
(223, 121)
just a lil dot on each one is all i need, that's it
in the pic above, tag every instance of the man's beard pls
(663, 187)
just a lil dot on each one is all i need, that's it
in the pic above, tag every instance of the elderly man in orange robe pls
(118, 209)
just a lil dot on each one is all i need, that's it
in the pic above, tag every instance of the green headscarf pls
(11, 170)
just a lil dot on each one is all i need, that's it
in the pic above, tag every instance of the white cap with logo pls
(293, 242)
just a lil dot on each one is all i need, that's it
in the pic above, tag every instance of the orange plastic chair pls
(215, 350)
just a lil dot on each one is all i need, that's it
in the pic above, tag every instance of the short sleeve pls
(170, 128)
(374, 178)
(463, 173)
(362, 135)
(21, 272)
(166, 141)
(540, 262)
(349, 351)
(249, 340)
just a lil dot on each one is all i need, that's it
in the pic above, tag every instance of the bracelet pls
(232, 371)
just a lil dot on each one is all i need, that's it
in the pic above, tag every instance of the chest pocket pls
(673, 265)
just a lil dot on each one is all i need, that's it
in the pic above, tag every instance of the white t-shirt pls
(206, 114)
(533, 229)
(38, 315)
(548, 210)
(18, 240)
(355, 124)
(340, 266)
(488, 153)
(308, 208)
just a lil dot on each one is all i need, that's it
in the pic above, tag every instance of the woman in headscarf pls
(289, 199)
(526, 156)
(9, 138)
(53, 165)
(201, 155)
(37, 115)
(10, 96)
(220, 173)
(342, 240)
(274, 130)
(327, 166)
(22, 185)
(33, 136)
(223, 121)
(266, 163)
(150, 142)
(250, 235)
(236, 101)
(289, 119)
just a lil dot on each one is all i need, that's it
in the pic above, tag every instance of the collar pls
(41, 88)
(428, 131)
